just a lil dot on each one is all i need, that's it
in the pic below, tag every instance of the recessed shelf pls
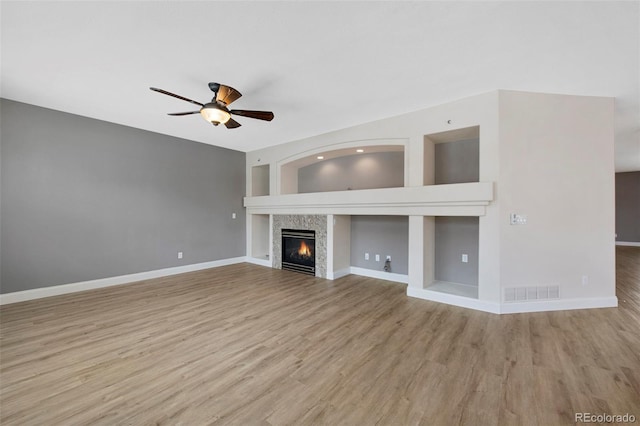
(452, 156)
(260, 241)
(353, 172)
(359, 164)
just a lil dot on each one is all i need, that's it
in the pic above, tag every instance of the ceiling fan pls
(216, 111)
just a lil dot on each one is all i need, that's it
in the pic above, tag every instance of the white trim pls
(261, 262)
(627, 243)
(338, 274)
(455, 300)
(559, 305)
(458, 199)
(511, 307)
(38, 293)
(381, 275)
(457, 289)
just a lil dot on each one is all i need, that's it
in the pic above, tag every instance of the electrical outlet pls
(377, 258)
(366, 256)
(585, 279)
(179, 255)
(465, 258)
(233, 215)
(517, 219)
(389, 258)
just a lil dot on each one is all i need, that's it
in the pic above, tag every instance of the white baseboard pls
(261, 262)
(455, 300)
(38, 293)
(338, 274)
(513, 307)
(559, 305)
(627, 243)
(381, 275)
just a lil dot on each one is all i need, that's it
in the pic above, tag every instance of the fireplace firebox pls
(299, 251)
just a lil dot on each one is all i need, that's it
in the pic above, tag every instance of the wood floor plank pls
(249, 345)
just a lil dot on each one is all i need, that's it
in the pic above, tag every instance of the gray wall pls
(361, 171)
(383, 235)
(628, 206)
(84, 199)
(455, 236)
(457, 162)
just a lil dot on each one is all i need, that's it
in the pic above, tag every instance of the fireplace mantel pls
(463, 199)
(316, 223)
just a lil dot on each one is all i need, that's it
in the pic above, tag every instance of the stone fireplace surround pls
(312, 222)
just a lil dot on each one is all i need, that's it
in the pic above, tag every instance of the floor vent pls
(526, 294)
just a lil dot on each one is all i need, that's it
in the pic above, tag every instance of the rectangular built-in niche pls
(452, 156)
(456, 240)
(260, 236)
(260, 180)
(383, 236)
(353, 172)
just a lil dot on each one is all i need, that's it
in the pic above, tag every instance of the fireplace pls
(299, 251)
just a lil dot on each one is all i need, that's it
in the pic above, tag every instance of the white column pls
(416, 251)
(413, 156)
(330, 245)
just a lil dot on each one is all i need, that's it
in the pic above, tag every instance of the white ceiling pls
(319, 66)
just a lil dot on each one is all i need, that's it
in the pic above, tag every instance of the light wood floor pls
(245, 344)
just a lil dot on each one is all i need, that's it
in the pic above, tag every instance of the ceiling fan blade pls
(224, 94)
(232, 124)
(183, 113)
(260, 115)
(175, 96)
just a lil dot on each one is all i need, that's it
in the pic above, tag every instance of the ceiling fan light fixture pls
(214, 114)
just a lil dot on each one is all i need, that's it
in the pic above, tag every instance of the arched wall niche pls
(287, 169)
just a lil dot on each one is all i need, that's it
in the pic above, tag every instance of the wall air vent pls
(528, 294)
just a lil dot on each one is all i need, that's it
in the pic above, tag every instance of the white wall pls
(411, 127)
(259, 180)
(557, 168)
